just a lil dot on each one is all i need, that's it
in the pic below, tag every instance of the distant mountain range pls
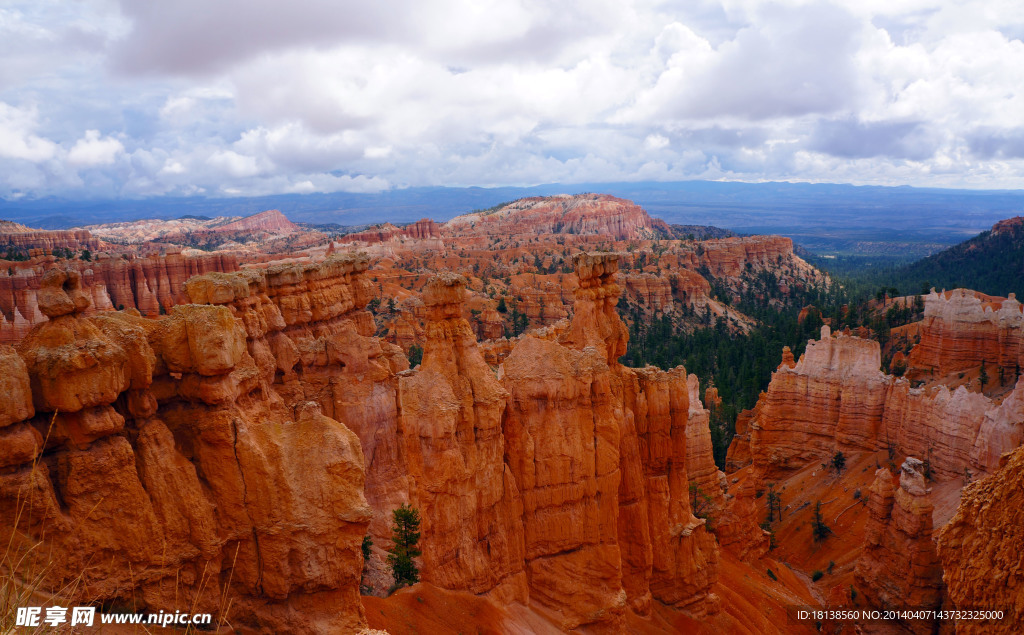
(895, 223)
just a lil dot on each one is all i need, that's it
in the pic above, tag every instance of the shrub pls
(838, 461)
(771, 574)
(415, 355)
(817, 575)
(819, 529)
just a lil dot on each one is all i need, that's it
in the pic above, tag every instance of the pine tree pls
(839, 461)
(405, 534)
(415, 355)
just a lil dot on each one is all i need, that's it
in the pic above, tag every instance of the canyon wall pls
(963, 329)
(898, 566)
(259, 430)
(40, 242)
(836, 399)
(160, 469)
(597, 214)
(981, 547)
(151, 284)
(562, 480)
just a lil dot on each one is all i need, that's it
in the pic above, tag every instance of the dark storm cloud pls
(1000, 144)
(850, 139)
(198, 36)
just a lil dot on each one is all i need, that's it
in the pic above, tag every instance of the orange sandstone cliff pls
(257, 432)
(898, 567)
(981, 548)
(962, 329)
(161, 469)
(836, 399)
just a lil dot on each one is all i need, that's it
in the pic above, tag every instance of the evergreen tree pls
(839, 461)
(821, 531)
(415, 355)
(405, 534)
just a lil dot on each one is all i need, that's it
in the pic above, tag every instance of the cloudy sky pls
(131, 98)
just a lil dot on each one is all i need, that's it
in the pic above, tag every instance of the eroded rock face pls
(450, 422)
(599, 453)
(41, 240)
(582, 214)
(962, 329)
(836, 399)
(238, 431)
(981, 548)
(164, 432)
(899, 566)
(151, 284)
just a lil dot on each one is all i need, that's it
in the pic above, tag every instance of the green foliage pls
(15, 254)
(990, 263)
(520, 322)
(86, 255)
(739, 365)
(771, 574)
(984, 374)
(898, 368)
(817, 575)
(502, 307)
(367, 544)
(415, 355)
(819, 529)
(405, 534)
(774, 504)
(838, 461)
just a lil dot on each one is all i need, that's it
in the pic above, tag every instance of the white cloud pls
(319, 95)
(17, 138)
(92, 150)
(234, 164)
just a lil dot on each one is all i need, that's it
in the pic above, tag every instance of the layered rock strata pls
(980, 549)
(962, 329)
(898, 567)
(597, 214)
(837, 399)
(172, 473)
(40, 242)
(234, 432)
(151, 284)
